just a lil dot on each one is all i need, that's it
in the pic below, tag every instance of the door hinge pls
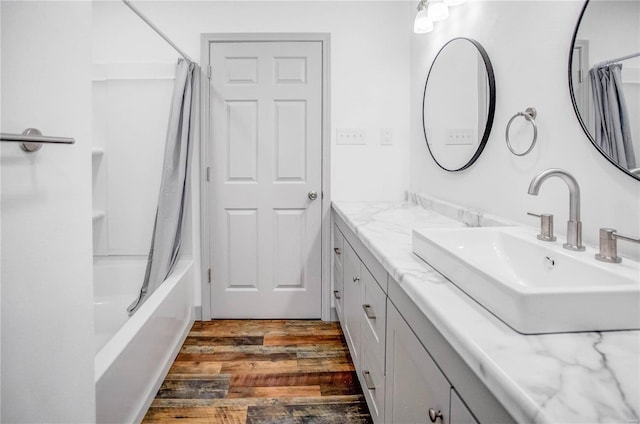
(209, 71)
(208, 174)
(209, 275)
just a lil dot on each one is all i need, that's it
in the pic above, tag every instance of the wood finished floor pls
(261, 371)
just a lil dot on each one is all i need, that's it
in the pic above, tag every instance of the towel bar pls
(32, 139)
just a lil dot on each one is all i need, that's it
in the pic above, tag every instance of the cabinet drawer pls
(374, 316)
(338, 245)
(338, 290)
(372, 378)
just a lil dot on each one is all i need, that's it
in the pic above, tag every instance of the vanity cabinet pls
(363, 320)
(408, 371)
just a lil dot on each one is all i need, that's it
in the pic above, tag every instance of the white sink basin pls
(531, 285)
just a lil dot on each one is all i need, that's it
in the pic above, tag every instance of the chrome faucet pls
(574, 226)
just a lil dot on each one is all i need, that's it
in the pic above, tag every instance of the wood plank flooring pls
(261, 371)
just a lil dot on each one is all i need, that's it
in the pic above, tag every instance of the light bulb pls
(437, 10)
(422, 24)
(454, 2)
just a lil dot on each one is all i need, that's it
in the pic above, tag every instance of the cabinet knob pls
(336, 293)
(356, 279)
(433, 415)
(337, 250)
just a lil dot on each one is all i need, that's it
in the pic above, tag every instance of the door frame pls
(325, 198)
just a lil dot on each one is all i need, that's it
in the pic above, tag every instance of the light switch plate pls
(351, 136)
(459, 136)
(386, 136)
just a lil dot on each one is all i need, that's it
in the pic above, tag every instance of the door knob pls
(313, 195)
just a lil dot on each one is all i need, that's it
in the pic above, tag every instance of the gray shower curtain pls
(172, 201)
(611, 118)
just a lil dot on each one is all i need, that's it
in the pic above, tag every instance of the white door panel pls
(266, 151)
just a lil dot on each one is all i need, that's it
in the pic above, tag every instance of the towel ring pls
(530, 115)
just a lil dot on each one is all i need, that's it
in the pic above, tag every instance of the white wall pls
(528, 43)
(369, 66)
(47, 294)
(369, 71)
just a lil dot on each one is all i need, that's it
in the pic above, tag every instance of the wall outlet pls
(386, 137)
(351, 136)
(459, 136)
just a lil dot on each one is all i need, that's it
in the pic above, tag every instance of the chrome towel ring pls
(530, 115)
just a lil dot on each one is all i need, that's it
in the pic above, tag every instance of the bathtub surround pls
(568, 378)
(171, 213)
(47, 295)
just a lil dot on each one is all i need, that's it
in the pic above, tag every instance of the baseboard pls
(334, 314)
(197, 313)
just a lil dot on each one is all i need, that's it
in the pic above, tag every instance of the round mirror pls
(459, 104)
(604, 79)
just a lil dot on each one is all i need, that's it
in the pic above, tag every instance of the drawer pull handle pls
(433, 415)
(368, 311)
(337, 250)
(356, 279)
(336, 294)
(368, 381)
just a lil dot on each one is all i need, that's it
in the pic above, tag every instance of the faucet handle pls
(546, 226)
(609, 245)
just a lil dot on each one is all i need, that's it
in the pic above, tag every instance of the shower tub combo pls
(134, 354)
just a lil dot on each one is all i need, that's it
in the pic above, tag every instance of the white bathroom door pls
(265, 106)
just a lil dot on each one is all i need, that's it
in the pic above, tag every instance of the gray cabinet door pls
(460, 414)
(414, 384)
(352, 302)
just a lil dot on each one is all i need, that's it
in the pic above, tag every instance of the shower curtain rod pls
(156, 29)
(619, 59)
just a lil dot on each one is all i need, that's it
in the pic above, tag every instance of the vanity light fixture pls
(437, 10)
(422, 24)
(454, 2)
(430, 11)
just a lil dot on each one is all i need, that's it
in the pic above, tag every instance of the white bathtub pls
(134, 354)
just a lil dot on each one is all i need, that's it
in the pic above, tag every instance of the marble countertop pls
(554, 378)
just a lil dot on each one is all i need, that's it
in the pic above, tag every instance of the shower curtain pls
(172, 201)
(611, 118)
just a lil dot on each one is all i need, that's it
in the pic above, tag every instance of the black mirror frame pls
(492, 103)
(575, 104)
